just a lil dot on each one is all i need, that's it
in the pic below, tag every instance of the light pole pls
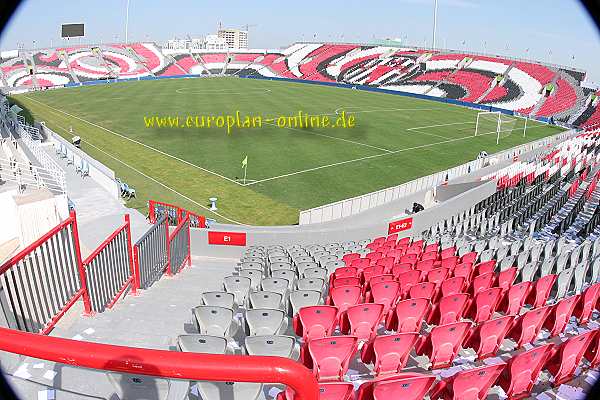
(127, 23)
(435, 12)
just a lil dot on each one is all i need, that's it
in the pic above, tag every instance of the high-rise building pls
(235, 38)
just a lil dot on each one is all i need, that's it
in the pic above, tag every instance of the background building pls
(235, 38)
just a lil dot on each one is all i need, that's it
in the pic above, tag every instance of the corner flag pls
(245, 162)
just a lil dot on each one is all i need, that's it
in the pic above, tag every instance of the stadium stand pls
(460, 76)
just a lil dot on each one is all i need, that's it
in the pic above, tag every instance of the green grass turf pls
(383, 150)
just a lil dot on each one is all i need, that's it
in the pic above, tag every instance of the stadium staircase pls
(28, 63)
(105, 63)
(543, 99)
(138, 58)
(198, 59)
(494, 83)
(64, 54)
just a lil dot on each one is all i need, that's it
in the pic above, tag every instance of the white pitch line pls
(137, 142)
(435, 126)
(368, 157)
(158, 182)
(337, 110)
(331, 137)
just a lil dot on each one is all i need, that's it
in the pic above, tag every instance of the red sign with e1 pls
(227, 238)
(400, 225)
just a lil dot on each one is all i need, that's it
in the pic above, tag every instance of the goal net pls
(502, 125)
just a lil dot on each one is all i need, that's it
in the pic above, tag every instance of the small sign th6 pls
(400, 225)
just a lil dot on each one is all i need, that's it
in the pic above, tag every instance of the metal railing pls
(41, 282)
(179, 247)
(174, 213)
(164, 363)
(355, 205)
(26, 175)
(109, 269)
(150, 254)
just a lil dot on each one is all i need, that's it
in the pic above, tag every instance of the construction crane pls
(248, 26)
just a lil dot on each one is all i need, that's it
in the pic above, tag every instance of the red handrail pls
(163, 363)
(180, 212)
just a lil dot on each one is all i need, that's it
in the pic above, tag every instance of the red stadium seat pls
(448, 252)
(506, 278)
(387, 263)
(344, 296)
(424, 266)
(471, 384)
(370, 272)
(327, 391)
(443, 343)
(408, 316)
(348, 258)
(437, 275)
(408, 280)
(559, 316)
(527, 326)
(398, 269)
(538, 296)
(514, 299)
(374, 256)
(487, 337)
(360, 263)
(484, 305)
(389, 353)
(347, 281)
(453, 286)
(482, 282)
(592, 354)
(485, 267)
(449, 309)
(385, 293)
(469, 257)
(522, 371)
(465, 270)
(423, 290)
(315, 321)
(409, 258)
(404, 386)
(565, 357)
(331, 356)
(588, 302)
(432, 255)
(449, 262)
(396, 254)
(431, 248)
(344, 272)
(361, 320)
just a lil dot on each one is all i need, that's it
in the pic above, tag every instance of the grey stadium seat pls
(252, 265)
(254, 275)
(316, 273)
(303, 298)
(271, 345)
(280, 265)
(202, 344)
(239, 286)
(221, 299)
(213, 320)
(264, 321)
(285, 274)
(581, 272)
(278, 285)
(310, 284)
(303, 266)
(216, 390)
(264, 299)
(564, 282)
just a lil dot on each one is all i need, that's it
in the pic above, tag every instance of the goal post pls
(495, 122)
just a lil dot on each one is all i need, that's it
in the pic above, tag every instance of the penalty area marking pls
(222, 91)
(371, 157)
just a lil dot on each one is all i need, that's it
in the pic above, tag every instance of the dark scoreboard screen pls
(72, 30)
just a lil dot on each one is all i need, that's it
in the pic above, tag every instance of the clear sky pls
(557, 31)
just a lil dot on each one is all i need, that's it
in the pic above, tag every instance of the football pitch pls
(395, 139)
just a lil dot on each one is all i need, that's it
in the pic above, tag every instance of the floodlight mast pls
(435, 12)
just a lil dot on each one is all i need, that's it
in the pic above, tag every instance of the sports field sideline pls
(396, 139)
